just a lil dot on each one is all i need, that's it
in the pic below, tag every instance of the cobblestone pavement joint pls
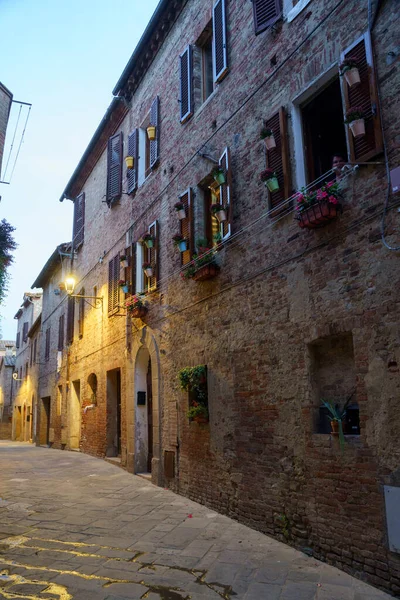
(74, 527)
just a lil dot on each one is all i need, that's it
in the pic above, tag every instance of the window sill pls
(296, 10)
(206, 102)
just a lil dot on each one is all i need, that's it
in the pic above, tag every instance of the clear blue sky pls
(64, 58)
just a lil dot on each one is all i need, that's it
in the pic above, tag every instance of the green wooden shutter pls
(266, 13)
(155, 120)
(186, 79)
(114, 168)
(220, 55)
(364, 94)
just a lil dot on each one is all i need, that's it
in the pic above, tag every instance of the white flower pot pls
(149, 272)
(221, 215)
(270, 142)
(124, 264)
(352, 76)
(357, 127)
(181, 214)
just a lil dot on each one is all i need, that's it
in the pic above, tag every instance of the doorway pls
(113, 413)
(18, 420)
(144, 418)
(75, 416)
(44, 422)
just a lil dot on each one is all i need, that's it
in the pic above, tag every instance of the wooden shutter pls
(152, 257)
(113, 287)
(266, 13)
(132, 174)
(364, 94)
(186, 79)
(17, 344)
(225, 193)
(47, 348)
(61, 333)
(220, 55)
(70, 320)
(278, 160)
(81, 312)
(25, 331)
(31, 354)
(34, 350)
(114, 168)
(79, 221)
(186, 226)
(155, 120)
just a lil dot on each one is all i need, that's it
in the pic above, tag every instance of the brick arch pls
(144, 342)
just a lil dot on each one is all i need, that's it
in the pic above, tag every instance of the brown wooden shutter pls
(133, 268)
(31, 354)
(114, 168)
(132, 174)
(226, 193)
(220, 55)
(278, 160)
(186, 226)
(78, 233)
(155, 120)
(186, 79)
(364, 94)
(17, 341)
(152, 257)
(34, 350)
(81, 313)
(25, 331)
(61, 333)
(70, 320)
(113, 287)
(266, 13)
(47, 347)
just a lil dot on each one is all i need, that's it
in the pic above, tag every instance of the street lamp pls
(70, 283)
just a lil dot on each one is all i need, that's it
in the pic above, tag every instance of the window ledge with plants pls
(136, 306)
(203, 265)
(317, 208)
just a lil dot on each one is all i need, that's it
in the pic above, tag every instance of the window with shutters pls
(25, 330)
(47, 345)
(145, 152)
(187, 226)
(113, 287)
(70, 319)
(17, 343)
(60, 345)
(266, 13)
(79, 221)
(219, 230)
(114, 168)
(277, 159)
(151, 257)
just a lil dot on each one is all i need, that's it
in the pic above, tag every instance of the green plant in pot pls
(194, 381)
(148, 239)
(198, 412)
(270, 179)
(219, 175)
(349, 70)
(267, 135)
(219, 212)
(355, 119)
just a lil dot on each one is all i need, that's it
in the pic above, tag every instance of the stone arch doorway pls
(143, 410)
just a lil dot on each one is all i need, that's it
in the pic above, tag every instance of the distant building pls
(7, 364)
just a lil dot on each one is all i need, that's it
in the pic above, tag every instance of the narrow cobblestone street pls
(73, 527)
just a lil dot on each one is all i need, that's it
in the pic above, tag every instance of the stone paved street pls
(76, 527)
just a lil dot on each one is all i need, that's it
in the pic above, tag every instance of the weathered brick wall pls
(281, 293)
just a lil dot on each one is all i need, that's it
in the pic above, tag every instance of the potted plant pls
(270, 179)
(180, 242)
(317, 208)
(180, 210)
(198, 413)
(148, 269)
(136, 307)
(151, 133)
(124, 261)
(148, 239)
(203, 265)
(349, 70)
(123, 285)
(219, 175)
(336, 416)
(219, 211)
(267, 135)
(355, 119)
(129, 162)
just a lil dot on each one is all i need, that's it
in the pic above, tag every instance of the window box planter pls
(357, 127)
(138, 312)
(200, 419)
(206, 272)
(318, 215)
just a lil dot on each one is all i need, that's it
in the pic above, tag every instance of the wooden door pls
(149, 418)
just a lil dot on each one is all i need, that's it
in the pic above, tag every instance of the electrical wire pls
(20, 143)
(12, 142)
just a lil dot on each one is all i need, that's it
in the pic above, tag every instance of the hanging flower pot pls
(148, 269)
(219, 212)
(355, 119)
(268, 136)
(124, 261)
(180, 210)
(151, 133)
(123, 285)
(182, 246)
(180, 242)
(129, 162)
(352, 76)
(219, 175)
(272, 184)
(148, 239)
(349, 70)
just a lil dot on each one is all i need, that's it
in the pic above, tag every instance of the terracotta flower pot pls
(357, 127)
(335, 427)
(206, 272)
(138, 312)
(352, 76)
(221, 215)
(151, 133)
(270, 142)
(318, 215)
(200, 419)
(181, 214)
(272, 184)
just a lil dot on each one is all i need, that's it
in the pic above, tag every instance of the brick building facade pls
(5, 107)
(282, 314)
(7, 364)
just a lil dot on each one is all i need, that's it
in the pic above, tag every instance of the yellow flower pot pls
(151, 133)
(129, 161)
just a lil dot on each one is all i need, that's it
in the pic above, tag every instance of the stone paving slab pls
(78, 528)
